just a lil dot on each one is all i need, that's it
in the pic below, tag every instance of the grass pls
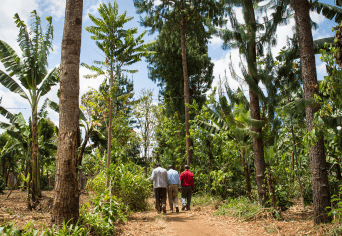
(201, 199)
(241, 207)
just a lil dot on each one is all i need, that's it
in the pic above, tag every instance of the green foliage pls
(240, 207)
(130, 185)
(220, 180)
(28, 230)
(202, 199)
(108, 206)
(97, 225)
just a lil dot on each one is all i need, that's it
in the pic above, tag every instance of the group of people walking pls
(169, 182)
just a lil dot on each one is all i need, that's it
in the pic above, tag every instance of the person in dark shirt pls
(187, 182)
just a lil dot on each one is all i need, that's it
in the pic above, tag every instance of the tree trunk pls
(109, 141)
(35, 161)
(211, 158)
(83, 147)
(258, 147)
(246, 171)
(66, 199)
(338, 172)
(271, 186)
(319, 175)
(292, 168)
(294, 155)
(186, 92)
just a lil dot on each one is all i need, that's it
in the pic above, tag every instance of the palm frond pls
(10, 84)
(329, 11)
(50, 80)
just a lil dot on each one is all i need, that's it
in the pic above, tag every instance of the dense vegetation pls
(275, 139)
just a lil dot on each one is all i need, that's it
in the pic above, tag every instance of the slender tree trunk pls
(211, 157)
(186, 92)
(271, 186)
(292, 168)
(83, 147)
(294, 154)
(258, 147)
(35, 160)
(246, 171)
(338, 172)
(319, 175)
(66, 199)
(109, 141)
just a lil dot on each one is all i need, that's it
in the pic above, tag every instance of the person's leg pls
(175, 196)
(163, 198)
(184, 195)
(188, 204)
(157, 193)
(169, 194)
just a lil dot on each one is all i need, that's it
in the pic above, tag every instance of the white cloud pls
(216, 41)
(92, 9)
(55, 8)
(317, 18)
(321, 68)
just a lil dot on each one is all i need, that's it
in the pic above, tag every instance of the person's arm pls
(192, 182)
(179, 182)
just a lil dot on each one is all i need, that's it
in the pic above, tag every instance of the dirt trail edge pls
(202, 221)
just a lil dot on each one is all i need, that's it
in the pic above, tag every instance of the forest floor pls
(200, 220)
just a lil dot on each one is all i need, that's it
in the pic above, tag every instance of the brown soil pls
(202, 221)
(14, 208)
(199, 221)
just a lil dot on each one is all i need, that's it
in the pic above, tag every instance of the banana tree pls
(234, 120)
(33, 75)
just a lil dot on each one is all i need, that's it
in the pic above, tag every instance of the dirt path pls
(202, 221)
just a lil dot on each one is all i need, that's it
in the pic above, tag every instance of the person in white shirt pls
(160, 178)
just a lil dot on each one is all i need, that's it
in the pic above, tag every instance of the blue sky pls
(89, 51)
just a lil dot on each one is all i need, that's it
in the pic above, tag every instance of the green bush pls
(2, 185)
(240, 207)
(130, 185)
(28, 230)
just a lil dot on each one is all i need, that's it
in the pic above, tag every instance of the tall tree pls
(119, 46)
(66, 199)
(319, 174)
(166, 68)
(244, 36)
(31, 71)
(144, 113)
(184, 15)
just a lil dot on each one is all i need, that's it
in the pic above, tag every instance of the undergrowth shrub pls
(29, 230)
(245, 209)
(129, 184)
(199, 199)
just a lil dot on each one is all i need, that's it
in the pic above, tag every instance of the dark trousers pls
(160, 198)
(186, 194)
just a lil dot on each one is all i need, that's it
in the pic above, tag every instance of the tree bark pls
(110, 108)
(258, 147)
(186, 92)
(66, 199)
(319, 175)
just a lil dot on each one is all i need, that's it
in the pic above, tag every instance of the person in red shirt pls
(187, 182)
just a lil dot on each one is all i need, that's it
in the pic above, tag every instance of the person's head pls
(170, 167)
(158, 165)
(186, 167)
